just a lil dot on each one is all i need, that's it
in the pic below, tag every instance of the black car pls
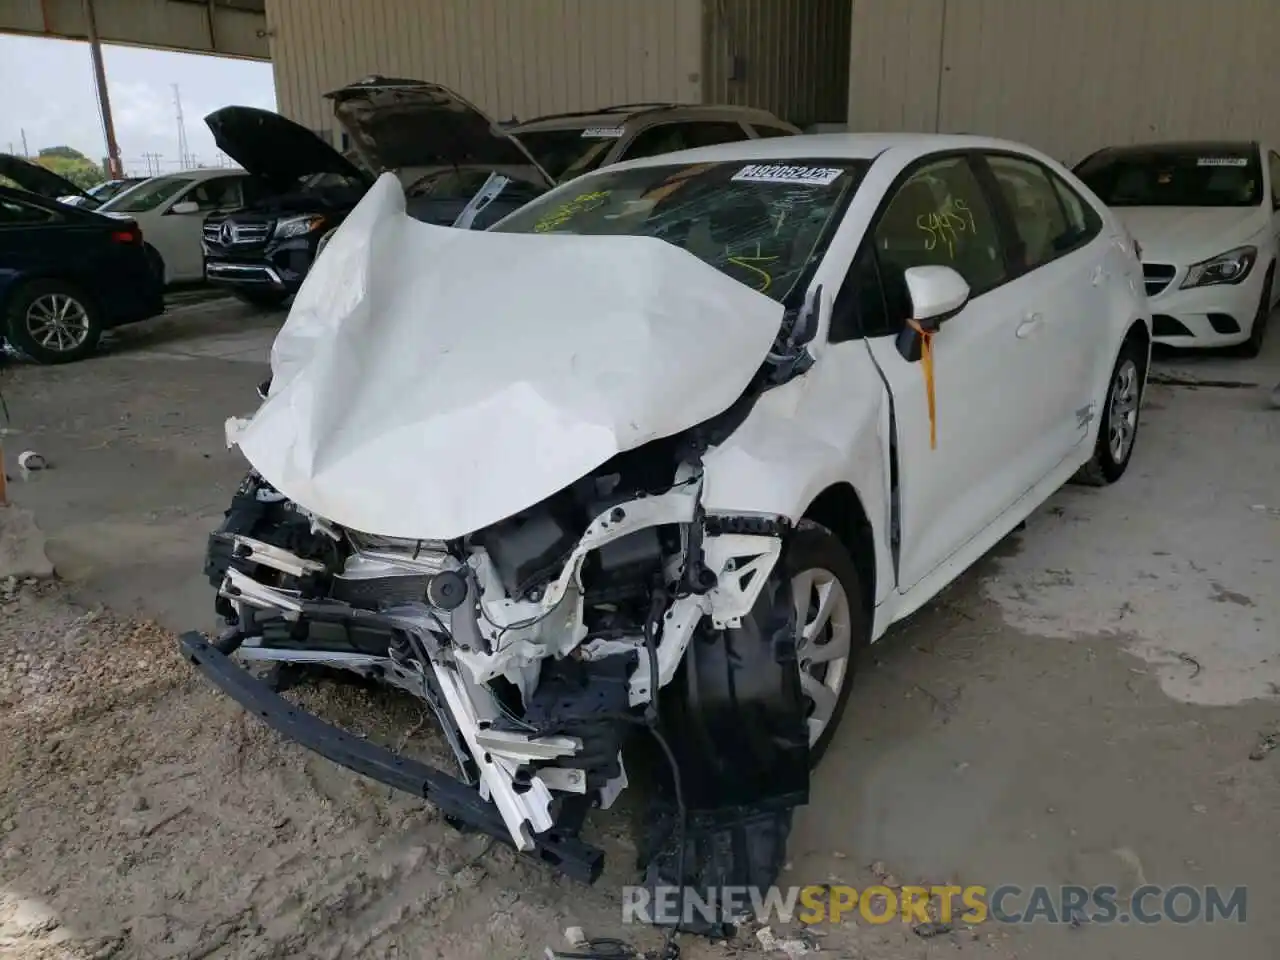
(445, 151)
(68, 274)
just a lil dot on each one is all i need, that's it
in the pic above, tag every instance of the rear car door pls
(986, 398)
(1061, 274)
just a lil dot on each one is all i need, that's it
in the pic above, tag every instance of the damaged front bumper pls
(538, 672)
(459, 802)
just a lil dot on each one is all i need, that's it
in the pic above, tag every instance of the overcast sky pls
(48, 92)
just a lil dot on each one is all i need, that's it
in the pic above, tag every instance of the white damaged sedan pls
(646, 463)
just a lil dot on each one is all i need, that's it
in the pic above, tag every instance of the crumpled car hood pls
(430, 381)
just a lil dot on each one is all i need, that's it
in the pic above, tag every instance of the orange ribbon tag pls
(926, 365)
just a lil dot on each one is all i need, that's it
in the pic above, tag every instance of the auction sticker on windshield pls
(1222, 162)
(778, 173)
(602, 133)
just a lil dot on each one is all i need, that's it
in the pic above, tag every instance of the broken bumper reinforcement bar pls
(455, 799)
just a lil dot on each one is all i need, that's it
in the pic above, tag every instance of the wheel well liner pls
(840, 510)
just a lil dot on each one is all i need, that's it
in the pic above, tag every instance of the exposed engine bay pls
(536, 641)
(529, 548)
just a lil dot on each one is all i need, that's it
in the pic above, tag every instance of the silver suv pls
(568, 145)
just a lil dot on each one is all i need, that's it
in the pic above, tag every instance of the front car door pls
(182, 252)
(1062, 274)
(986, 418)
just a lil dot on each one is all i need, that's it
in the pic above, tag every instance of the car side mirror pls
(185, 207)
(937, 294)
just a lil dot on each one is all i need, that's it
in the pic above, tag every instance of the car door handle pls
(1029, 325)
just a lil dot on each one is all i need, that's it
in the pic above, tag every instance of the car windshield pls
(1207, 175)
(766, 224)
(147, 195)
(570, 153)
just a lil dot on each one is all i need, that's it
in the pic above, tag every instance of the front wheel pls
(1118, 431)
(1253, 346)
(831, 626)
(52, 322)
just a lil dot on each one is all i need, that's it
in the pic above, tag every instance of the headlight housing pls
(297, 226)
(1230, 267)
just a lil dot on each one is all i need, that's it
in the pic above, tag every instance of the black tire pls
(262, 298)
(1105, 466)
(1253, 346)
(814, 547)
(35, 306)
(155, 261)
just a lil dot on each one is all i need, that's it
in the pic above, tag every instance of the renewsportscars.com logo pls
(972, 905)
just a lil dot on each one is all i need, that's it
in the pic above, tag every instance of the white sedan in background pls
(738, 408)
(171, 211)
(1207, 219)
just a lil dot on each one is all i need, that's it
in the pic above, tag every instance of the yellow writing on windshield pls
(583, 203)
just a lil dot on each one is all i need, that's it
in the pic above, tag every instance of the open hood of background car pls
(39, 180)
(275, 148)
(397, 124)
(432, 381)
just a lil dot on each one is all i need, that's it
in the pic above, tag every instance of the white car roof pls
(830, 146)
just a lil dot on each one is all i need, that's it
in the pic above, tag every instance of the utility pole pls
(116, 168)
(25, 151)
(183, 157)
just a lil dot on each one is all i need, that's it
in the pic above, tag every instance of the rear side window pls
(1049, 217)
(1273, 160)
(14, 213)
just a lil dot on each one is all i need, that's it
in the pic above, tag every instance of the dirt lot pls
(1079, 709)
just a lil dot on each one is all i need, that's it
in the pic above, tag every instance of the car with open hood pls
(443, 149)
(40, 180)
(1207, 217)
(651, 459)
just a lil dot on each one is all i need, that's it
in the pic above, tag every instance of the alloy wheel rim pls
(57, 322)
(1122, 420)
(824, 635)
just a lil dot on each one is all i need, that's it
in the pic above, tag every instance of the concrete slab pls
(22, 545)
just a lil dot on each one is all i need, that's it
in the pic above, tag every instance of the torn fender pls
(807, 435)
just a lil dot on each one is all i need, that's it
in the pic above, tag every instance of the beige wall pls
(510, 57)
(793, 56)
(151, 23)
(1068, 75)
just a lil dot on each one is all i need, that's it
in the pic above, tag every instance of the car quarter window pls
(1273, 161)
(16, 213)
(938, 216)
